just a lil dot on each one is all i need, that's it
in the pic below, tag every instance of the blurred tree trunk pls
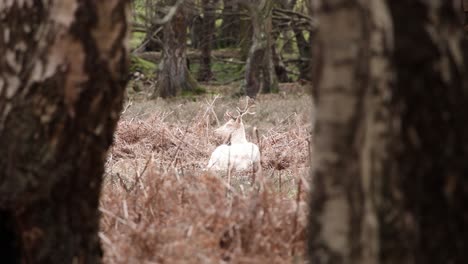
(229, 34)
(208, 22)
(465, 10)
(260, 72)
(424, 207)
(354, 41)
(61, 94)
(391, 185)
(173, 75)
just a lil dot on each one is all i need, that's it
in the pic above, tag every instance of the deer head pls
(233, 131)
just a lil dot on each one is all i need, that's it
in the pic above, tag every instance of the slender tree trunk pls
(173, 75)
(280, 69)
(288, 34)
(229, 34)
(209, 16)
(260, 73)
(61, 93)
(351, 136)
(304, 53)
(197, 30)
(245, 37)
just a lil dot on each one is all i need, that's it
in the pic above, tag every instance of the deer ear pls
(239, 120)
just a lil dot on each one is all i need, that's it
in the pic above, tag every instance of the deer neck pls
(238, 136)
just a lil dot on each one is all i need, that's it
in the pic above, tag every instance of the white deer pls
(236, 154)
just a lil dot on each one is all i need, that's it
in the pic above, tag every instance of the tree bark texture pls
(63, 71)
(280, 68)
(424, 209)
(399, 167)
(260, 71)
(304, 52)
(465, 10)
(174, 76)
(208, 22)
(196, 30)
(354, 42)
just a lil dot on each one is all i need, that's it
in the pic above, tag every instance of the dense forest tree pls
(207, 39)
(229, 34)
(390, 184)
(431, 144)
(173, 75)
(260, 73)
(257, 33)
(62, 76)
(280, 27)
(353, 40)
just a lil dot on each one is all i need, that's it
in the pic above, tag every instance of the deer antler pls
(228, 115)
(249, 103)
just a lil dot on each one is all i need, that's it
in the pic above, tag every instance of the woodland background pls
(360, 117)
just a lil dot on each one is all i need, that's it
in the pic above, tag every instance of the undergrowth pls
(159, 205)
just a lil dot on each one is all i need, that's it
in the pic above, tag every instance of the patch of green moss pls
(136, 39)
(223, 72)
(146, 67)
(199, 90)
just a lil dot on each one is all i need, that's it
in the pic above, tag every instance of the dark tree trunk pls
(61, 93)
(209, 17)
(173, 75)
(229, 34)
(280, 69)
(465, 10)
(245, 37)
(304, 52)
(351, 139)
(428, 195)
(288, 34)
(197, 30)
(391, 185)
(260, 73)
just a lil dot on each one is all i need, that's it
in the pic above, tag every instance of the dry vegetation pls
(160, 206)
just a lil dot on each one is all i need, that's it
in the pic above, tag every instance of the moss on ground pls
(146, 67)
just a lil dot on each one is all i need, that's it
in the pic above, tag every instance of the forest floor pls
(159, 205)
